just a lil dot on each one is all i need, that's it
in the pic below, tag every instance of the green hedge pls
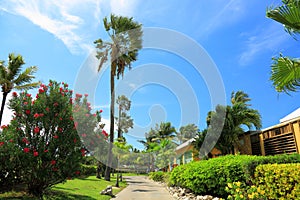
(212, 176)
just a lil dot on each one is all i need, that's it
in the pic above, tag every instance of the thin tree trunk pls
(112, 123)
(2, 105)
(119, 127)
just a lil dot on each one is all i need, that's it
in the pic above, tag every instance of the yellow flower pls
(229, 185)
(238, 184)
(241, 196)
(250, 196)
(237, 189)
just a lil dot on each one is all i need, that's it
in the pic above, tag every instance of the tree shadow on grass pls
(60, 195)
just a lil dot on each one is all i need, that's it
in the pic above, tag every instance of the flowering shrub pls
(42, 146)
(240, 191)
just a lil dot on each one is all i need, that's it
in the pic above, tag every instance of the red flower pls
(78, 95)
(25, 103)
(25, 141)
(1, 144)
(28, 95)
(11, 140)
(86, 95)
(55, 104)
(87, 115)
(27, 112)
(83, 135)
(42, 114)
(35, 154)
(55, 136)
(104, 133)
(36, 115)
(15, 94)
(101, 111)
(36, 130)
(33, 102)
(41, 90)
(37, 96)
(71, 118)
(75, 140)
(47, 109)
(71, 101)
(46, 150)
(4, 126)
(77, 172)
(53, 162)
(60, 129)
(26, 150)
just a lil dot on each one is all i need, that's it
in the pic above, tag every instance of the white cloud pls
(268, 38)
(123, 7)
(72, 22)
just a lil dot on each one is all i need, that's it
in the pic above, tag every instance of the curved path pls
(140, 187)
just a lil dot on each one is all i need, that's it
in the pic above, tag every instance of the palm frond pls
(285, 74)
(27, 86)
(287, 14)
(14, 65)
(26, 76)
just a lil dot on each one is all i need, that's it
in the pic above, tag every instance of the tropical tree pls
(187, 132)
(11, 77)
(285, 71)
(126, 41)
(238, 116)
(124, 121)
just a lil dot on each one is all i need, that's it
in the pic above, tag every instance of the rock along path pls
(141, 188)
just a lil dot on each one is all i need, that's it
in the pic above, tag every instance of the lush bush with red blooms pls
(42, 146)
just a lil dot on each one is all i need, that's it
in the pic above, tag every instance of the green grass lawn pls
(82, 188)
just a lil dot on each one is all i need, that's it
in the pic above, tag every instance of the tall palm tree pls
(126, 41)
(11, 77)
(285, 71)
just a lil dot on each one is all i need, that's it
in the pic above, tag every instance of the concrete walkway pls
(141, 188)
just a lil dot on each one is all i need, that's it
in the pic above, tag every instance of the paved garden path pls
(141, 188)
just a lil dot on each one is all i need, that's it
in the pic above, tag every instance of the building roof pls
(185, 144)
(291, 116)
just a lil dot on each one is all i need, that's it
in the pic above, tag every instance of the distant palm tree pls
(126, 36)
(285, 73)
(11, 77)
(239, 114)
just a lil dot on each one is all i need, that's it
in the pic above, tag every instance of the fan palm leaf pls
(285, 74)
(287, 14)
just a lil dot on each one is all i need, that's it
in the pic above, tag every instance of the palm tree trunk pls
(119, 127)
(2, 105)
(112, 123)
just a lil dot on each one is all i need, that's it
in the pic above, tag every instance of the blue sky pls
(57, 36)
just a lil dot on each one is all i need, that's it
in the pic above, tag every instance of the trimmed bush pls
(212, 176)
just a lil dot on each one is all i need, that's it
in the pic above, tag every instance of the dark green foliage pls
(88, 170)
(212, 176)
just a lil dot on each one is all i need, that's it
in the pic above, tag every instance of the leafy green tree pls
(187, 132)
(124, 121)
(126, 41)
(41, 146)
(238, 115)
(285, 71)
(11, 77)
